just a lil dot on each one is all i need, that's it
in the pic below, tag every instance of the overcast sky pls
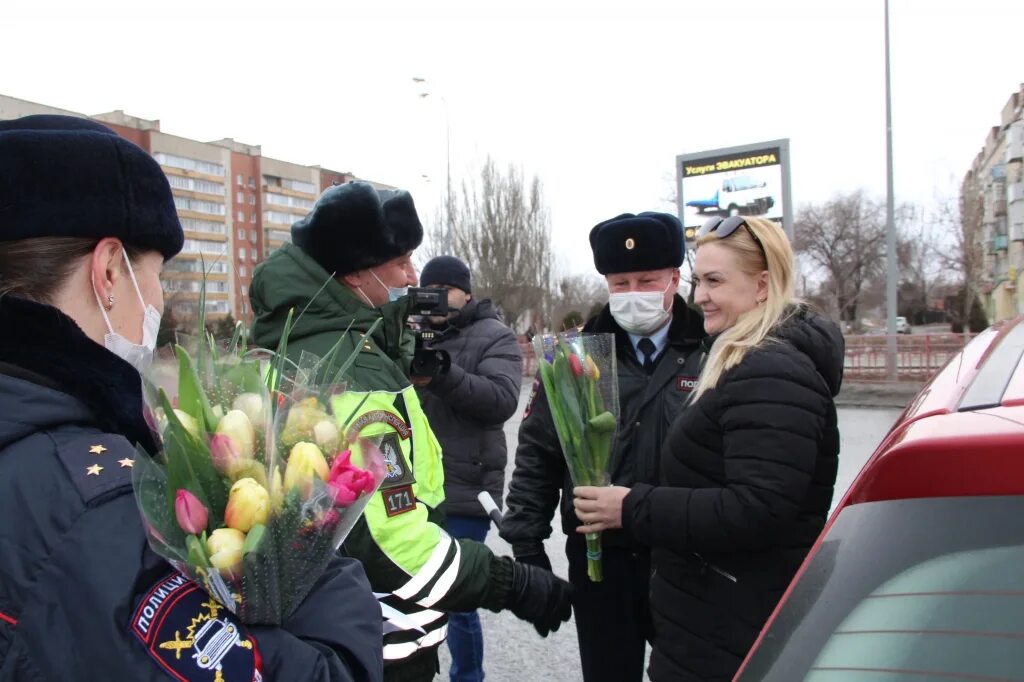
(595, 97)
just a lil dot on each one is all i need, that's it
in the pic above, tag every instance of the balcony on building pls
(1015, 193)
(273, 239)
(1000, 242)
(289, 187)
(1015, 142)
(1017, 230)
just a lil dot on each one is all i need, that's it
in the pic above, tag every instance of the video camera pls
(427, 302)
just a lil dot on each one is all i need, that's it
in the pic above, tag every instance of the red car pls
(919, 573)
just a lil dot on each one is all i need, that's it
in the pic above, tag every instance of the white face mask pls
(137, 355)
(639, 312)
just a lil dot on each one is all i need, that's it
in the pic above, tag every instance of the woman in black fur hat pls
(86, 222)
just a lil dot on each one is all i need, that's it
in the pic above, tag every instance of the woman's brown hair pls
(37, 268)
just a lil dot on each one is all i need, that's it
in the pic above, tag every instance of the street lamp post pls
(890, 222)
(447, 246)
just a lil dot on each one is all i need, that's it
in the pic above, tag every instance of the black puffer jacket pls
(82, 597)
(747, 474)
(468, 406)
(647, 406)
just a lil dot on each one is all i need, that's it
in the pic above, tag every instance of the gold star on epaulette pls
(97, 449)
(126, 462)
(94, 470)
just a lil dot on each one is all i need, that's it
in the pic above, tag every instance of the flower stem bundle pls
(581, 383)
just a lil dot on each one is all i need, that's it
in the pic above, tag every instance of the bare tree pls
(845, 238)
(671, 205)
(500, 227)
(919, 253)
(963, 219)
(581, 294)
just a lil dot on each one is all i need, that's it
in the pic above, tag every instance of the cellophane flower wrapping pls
(580, 379)
(256, 485)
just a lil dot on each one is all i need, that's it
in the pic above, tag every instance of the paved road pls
(513, 652)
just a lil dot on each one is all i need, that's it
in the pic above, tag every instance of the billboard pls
(749, 180)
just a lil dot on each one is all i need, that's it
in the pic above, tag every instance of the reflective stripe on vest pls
(420, 548)
(393, 652)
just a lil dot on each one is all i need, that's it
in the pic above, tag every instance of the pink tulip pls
(348, 481)
(576, 365)
(224, 453)
(342, 461)
(192, 515)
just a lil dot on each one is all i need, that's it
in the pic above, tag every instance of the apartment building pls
(235, 205)
(996, 182)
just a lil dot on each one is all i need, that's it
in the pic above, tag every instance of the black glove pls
(430, 364)
(532, 553)
(539, 597)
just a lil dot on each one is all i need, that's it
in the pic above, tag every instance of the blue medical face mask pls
(394, 293)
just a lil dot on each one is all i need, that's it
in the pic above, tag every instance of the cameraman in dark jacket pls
(657, 341)
(467, 404)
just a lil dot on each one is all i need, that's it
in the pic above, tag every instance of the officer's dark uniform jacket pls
(648, 405)
(747, 474)
(82, 597)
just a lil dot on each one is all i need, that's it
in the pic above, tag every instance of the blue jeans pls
(465, 638)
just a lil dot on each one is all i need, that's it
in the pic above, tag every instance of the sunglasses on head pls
(723, 227)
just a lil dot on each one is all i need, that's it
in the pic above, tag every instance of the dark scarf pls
(41, 344)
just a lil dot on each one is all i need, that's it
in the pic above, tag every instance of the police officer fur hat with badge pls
(356, 226)
(638, 242)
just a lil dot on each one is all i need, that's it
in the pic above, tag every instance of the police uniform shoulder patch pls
(97, 463)
(192, 636)
(398, 471)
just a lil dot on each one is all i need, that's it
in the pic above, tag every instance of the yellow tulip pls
(225, 549)
(248, 504)
(304, 462)
(302, 417)
(190, 424)
(250, 468)
(238, 427)
(326, 434)
(252, 405)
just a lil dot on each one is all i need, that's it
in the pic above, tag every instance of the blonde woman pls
(747, 469)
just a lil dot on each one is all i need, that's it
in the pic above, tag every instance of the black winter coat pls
(468, 406)
(647, 405)
(82, 597)
(747, 478)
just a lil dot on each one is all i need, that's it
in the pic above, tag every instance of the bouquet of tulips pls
(257, 484)
(581, 383)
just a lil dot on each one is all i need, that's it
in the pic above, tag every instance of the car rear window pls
(907, 590)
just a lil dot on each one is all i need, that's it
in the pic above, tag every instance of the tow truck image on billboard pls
(741, 194)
